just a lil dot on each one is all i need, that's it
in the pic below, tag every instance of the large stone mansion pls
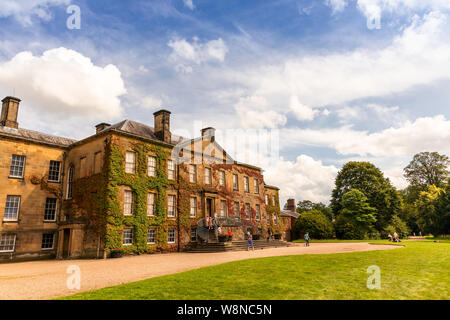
(120, 188)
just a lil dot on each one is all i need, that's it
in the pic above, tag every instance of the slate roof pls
(289, 213)
(35, 136)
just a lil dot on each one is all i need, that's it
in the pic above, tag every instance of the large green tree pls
(426, 169)
(380, 193)
(307, 205)
(314, 222)
(433, 215)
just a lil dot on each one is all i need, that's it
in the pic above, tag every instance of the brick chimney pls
(209, 134)
(102, 126)
(162, 125)
(291, 205)
(10, 110)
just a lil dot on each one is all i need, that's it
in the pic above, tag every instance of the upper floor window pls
(208, 176)
(222, 178)
(192, 173)
(151, 236)
(170, 170)
(235, 182)
(193, 212)
(150, 204)
(17, 166)
(274, 200)
(7, 242)
(54, 171)
(171, 203)
(246, 186)
(267, 199)
(128, 203)
(127, 237)
(98, 162)
(223, 208)
(130, 162)
(247, 211)
(258, 212)
(12, 208)
(275, 219)
(70, 181)
(47, 241)
(151, 171)
(50, 209)
(256, 185)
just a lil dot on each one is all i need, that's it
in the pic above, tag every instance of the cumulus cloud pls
(64, 82)
(427, 133)
(151, 102)
(301, 111)
(302, 179)
(189, 4)
(185, 54)
(336, 5)
(256, 112)
(24, 10)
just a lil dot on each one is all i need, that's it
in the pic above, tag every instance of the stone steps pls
(237, 246)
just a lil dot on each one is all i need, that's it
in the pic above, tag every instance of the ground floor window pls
(151, 236)
(223, 208)
(127, 236)
(7, 242)
(247, 211)
(193, 235)
(171, 236)
(47, 240)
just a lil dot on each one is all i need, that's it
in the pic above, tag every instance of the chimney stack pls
(102, 126)
(209, 134)
(10, 110)
(291, 205)
(162, 125)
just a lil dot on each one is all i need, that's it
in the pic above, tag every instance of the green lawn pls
(418, 271)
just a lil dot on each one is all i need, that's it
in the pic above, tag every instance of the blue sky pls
(336, 80)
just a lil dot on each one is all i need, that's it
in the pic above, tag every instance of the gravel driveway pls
(47, 279)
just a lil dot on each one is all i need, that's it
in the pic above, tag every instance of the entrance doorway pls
(66, 242)
(209, 207)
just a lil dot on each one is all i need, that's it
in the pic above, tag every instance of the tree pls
(369, 180)
(306, 205)
(428, 205)
(428, 168)
(355, 206)
(314, 222)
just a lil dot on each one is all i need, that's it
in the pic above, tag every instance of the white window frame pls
(151, 166)
(222, 179)
(4, 238)
(208, 178)
(50, 170)
(223, 209)
(238, 213)
(15, 164)
(248, 211)
(53, 241)
(154, 236)
(193, 173)
(173, 206)
(246, 184)
(235, 182)
(193, 207)
(170, 170)
(258, 212)
(70, 176)
(174, 236)
(123, 237)
(8, 219)
(130, 162)
(151, 197)
(267, 199)
(128, 206)
(274, 199)
(55, 209)
(256, 185)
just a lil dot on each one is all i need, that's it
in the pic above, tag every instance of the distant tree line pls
(365, 205)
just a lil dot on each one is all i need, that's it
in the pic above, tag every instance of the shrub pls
(314, 222)
(347, 229)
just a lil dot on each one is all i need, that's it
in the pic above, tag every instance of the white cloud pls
(151, 102)
(427, 133)
(23, 10)
(302, 112)
(64, 82)
(256, 112)
(189, 4)
(304, 179)
(336, 5)
(186, 54)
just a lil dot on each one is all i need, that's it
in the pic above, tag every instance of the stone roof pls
(35, 136)
(289, 213)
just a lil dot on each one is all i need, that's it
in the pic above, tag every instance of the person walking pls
(250, 241)
(307, 239)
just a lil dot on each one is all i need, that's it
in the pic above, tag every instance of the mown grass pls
(420, 270)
